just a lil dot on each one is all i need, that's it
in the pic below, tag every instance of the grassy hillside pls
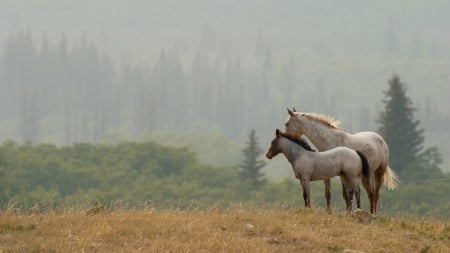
(237, 230)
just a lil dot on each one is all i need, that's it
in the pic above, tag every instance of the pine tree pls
(402, 133)
(251, 166)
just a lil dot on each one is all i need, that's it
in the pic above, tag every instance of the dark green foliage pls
(252, 164)
(129, 175)
(126, 173)
(404, 137)
(77, 169)
(130, 172)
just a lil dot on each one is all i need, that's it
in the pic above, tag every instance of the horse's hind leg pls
(328, 194)
(358, 195)
(305, 197)
(376, 194)
(344, 189)
(370, 194)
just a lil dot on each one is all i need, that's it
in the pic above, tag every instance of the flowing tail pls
(390, 179)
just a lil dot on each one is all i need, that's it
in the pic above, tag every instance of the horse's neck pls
(324, 137)
(292, 151)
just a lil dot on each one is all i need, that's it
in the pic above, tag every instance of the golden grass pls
(301, 230)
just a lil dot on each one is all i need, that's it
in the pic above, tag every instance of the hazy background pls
(105, 71)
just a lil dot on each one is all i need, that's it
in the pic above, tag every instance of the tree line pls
(72, 91)
(83, 94)
(132, 174)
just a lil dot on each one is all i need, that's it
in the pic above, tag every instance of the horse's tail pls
(365, 164)
(390, 179)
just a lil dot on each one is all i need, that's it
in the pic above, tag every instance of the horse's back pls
(372, 145)
(369, 137)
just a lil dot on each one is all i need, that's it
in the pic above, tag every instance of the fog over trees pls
(91, 72)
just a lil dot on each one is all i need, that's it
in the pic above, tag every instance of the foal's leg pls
(328, 194)
(349, 200)
(354, 189)
(306, 195)
(350, 186)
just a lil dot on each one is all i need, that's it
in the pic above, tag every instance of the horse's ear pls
(293, 109)
(277, 132)
(291, 113)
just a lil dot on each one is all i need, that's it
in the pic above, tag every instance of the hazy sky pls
(135, 24)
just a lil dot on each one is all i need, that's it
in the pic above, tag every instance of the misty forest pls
(153, 101)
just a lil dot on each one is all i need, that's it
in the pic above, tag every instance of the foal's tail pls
(366, 170)
(390, 179)
(365, 164)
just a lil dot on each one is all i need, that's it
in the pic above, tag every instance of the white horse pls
(325, 134)
(309, 165)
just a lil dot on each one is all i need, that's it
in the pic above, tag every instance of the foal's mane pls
(300, 141)
(327, 120)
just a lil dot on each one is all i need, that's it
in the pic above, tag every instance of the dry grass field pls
(299, 230)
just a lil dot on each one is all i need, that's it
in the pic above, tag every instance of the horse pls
(309, 165)
(324, 133)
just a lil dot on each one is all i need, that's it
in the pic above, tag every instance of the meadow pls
(218, 230)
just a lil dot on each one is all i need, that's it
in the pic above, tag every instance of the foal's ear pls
(293, 109)
(277, 132)
(291, 113)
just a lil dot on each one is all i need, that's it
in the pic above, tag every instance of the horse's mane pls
(327, 120)
(300, 141)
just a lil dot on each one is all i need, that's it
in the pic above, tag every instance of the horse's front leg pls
(347, 191)
(306, 195)
(328, 194)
